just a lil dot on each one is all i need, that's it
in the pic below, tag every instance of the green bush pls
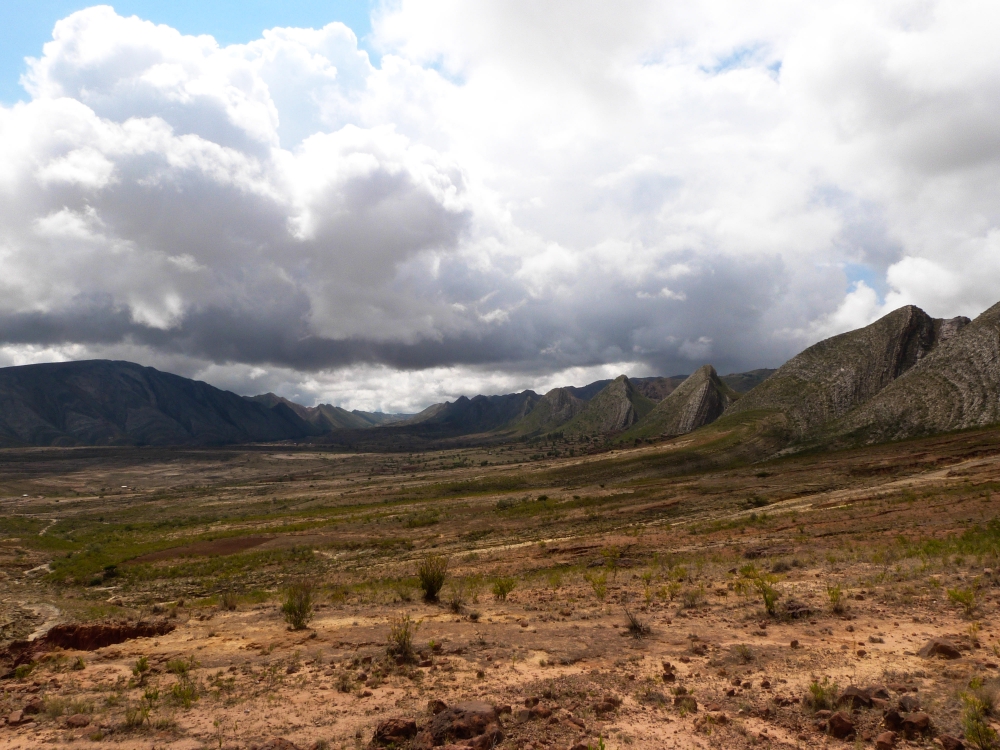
(752, 580)
(599, 583)
(967, 599)
(431, 574)
(297, 606)
(822, 695)
(836, 596)
(401, 632)
(502, 586)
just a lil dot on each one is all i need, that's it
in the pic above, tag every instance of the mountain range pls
(905, 375)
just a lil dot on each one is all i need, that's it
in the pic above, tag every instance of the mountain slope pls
(742, 382)
(617, 407)
(479, 414)
(327, 417)
(102, 402)
(955, 387)
(698, 401)
(832, 377)
(555, 408)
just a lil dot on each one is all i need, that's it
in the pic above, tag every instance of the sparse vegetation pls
(431, 574)
(754, 581)
(297, 606)
(599, 584)
(401, 631)
(836, 596)
(502, 586)
(966, 598)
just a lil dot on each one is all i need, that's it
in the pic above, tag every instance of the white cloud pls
(518, 191)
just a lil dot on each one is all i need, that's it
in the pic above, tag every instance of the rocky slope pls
(698, 401)
(742, 382)
(956, 386)
(617, 407)
(832, 377)
(101, 402)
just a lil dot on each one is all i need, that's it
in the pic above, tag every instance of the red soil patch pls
(208, 548)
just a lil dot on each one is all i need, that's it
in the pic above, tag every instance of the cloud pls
(518, 192)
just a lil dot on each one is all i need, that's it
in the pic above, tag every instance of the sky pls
(386, 205)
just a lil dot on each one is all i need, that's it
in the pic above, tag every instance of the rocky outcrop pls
(616, 408)
(957, 386)
(698, 401)
(831, 378)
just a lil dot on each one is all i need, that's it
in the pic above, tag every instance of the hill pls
(830, 378)
(617, 407)
(957, 386)
(698, 401)
(102, 402)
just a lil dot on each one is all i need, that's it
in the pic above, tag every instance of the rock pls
(940, 647)
(33, 707)
(893, 720)
(77, 721)
(669, 677)
(840, 725)
(524, 715)
(854, 698)
(542, 712)
(394, 731)
(463, 721)
(916, 724)
(885, 741)
(909, 703)
(951, 743)
(530, 702)
(16, 718)
(436, 706)
(878, 692)
(794, 643)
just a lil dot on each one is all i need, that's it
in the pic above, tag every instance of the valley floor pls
(871, 554)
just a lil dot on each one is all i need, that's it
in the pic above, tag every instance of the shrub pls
(456, 599)
(431, 573)
(636, 627)
(822, 696)
(743, 652)
(967, 599)
(978, 704)
(141, 668)
(79, 664)
(756, 581)
(228, 600)
(503, 585)
(179, 667)
(184, 692)
(599, 583)
(836, 595)
(693, 597)
(298, 605)
(23, 670)
(401, 632)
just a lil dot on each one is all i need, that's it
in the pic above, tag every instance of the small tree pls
(503, 585)
(431, 573)
(836, 595)
(401, 631)
(298, 604)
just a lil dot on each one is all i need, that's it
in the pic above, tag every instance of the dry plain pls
(869, 555)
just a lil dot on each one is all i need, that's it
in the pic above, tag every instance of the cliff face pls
(954, 387)
(836, 375)
(698, 401)
(616, 408)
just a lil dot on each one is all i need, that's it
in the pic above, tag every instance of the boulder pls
(854, 698)
(951, 743)
(463, 721)
(940, 647)
(16, 718)
(893, 720)
(916, 724)
(840, 725)
(77, 721)
(394, 731)
(885, 741)
(908, 703)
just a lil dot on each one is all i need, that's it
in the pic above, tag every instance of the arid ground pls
(636, 607)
